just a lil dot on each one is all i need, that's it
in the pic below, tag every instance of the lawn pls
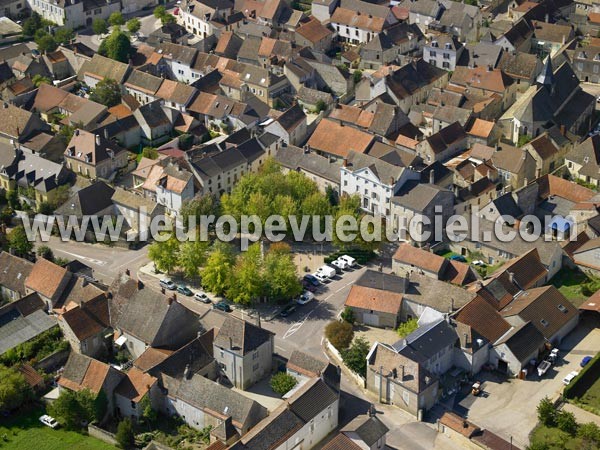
(591, 399)
(554, 439)
(484, 271)
(25, 431)
(570, 282)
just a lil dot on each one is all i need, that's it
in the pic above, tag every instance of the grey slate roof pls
(382, 281)
(244, 336)
(523, 341)
(88, 201)
(13, 272)
(427, 340)
(506, 205)
(310, 401)
(383, 170)
(369, 428)
(420, 197)
(307, 362)
(295, 158)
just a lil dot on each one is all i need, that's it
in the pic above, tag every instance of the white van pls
(327, 271)
(349, 259)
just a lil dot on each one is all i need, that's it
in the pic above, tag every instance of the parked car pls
(289, 309)
(304, 298)
(222, 306)
(312, 279)
(567, 380)
(478, 262)
(320, 276)
(35, 53)
(183, 289)
(543, 367)
(553, 356)
(202, 297)
(349, 259)
(49, 421)
(168, 284)
(585, 361)
(308, 286)
(337, 269)
(459, 258)
(340, 263)
(327, 271)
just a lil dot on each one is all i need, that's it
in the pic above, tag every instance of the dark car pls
(312, 280)
(585, 361)
(222, 306)
(459, 258)
(183, 289)
(289, 309)
(308, 286)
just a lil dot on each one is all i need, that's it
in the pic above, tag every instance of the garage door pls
(371, 319)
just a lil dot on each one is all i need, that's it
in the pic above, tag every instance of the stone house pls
(13, 273)
(94, 156)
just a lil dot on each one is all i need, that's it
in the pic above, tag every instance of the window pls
(562, 308)
(445, 64)
(446, 55)
(432, 53)
(132, 404)
(255, 355)
(544, 322)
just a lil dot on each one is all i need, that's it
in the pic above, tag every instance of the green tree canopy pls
(64, 35)
(32, 24)
(200, 205)
(134, 25)
(14, 390)
(405, 328)
(72, 408)
(546, 412)
(117, 46)
(150, 152)
(17, 240)
(125, 435)
(160, 12)
(107, 92)
(218, 271)
(116, 19)
(247, 283)
(45, 43)
(99, 26)
(164, 254)
(281, 278)
(40, 79)
(45, 252)
(192, 255)
(355, 357)
(282, 383)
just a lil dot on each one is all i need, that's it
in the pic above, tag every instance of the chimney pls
(345, 162)
(230, 342)
(401, 373)
(97, 140)
(496, 147)
(106, 134)
(466, 339)
(432, 176)
(511, 277)
(170, 301)
(372, 410)
(162, 290)
(77, 132)
(186, 372)
(547, 18)
(563, 130)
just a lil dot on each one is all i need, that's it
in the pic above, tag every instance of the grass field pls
(569, 283)
(591, 399)
(24, 432)
(554, 439)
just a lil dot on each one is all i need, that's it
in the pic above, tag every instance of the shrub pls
(566, 422)
(355, 357)
(282, 383)
(404, 329)
(546, 412)
(125, 436)
(340, 334)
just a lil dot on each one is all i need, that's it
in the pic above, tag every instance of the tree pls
(66, 132)
(160, 12)
(355, 357)
(405, 328)
(247, 283)
(14, 390)
(117, 46)
(320, 106)
(12, 197)
(46, 43)
(150, 153)
(64, 35)
(281, 278)
(218, 272)
(191, 256)
(45, 252)
(107, 92)
(339, 334)
(72, 408)
(566, 422)
(116, 19)
(546, 412)
(18, 241)
(31, 25)
(149, 414)
(200, 205)
(164, 254)
(134, 25)
(125, 436)
(357, 76)
(282, 383)
(99, 26)
(348, 315)
(589, 433)
(40, 79)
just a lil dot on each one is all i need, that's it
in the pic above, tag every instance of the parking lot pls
(508, 406)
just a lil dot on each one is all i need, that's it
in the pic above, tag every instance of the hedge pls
(361, 256)
(584, 381)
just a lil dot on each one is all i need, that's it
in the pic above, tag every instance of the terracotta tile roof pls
(313, 30)
(487, 439)
(45, 277)
(546, 307)
(357, 19)
(458, 273)
(334, 138)
(88, 374)
(374, 299)
(420, 259)
(527, 269)
(481, 128)
(481, 78)
(458, 424)
(353, 115)
(553, 185)
(151, 357)
(341, 442)
(32, 378)
(120, 111)
(405, 141)
(483, 318)
(136, 385)
(87, 319)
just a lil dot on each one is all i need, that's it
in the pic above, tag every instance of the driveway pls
(508, 407)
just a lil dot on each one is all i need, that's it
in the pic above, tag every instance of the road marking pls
(85, 258)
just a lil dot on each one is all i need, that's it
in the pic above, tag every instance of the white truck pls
(328, 272)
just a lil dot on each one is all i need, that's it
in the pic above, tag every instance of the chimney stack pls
(186, 372)
(345, 162)
(162, 290)
(97, 140)
(170, 301)
(230, 342)
(432, 176)
(511, 277)
(401, 373)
